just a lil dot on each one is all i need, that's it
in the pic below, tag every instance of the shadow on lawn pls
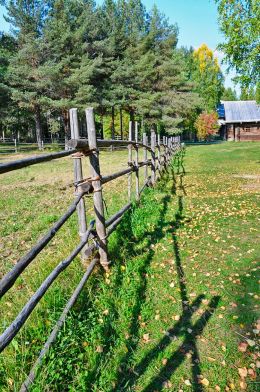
(127, 376)
(130, 246)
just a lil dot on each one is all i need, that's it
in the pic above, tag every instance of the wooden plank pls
(97, 198)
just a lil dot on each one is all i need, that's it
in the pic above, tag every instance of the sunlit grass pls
(205, 219)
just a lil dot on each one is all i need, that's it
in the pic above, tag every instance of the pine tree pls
(8, 111)
(165, 95)
(229, 95)
(27, 19)
(60, 48)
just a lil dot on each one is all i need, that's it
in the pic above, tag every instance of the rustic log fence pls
(94, 237)
(11, 145)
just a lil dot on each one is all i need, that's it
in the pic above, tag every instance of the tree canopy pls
(229, 95)
(207, 76)
(118, 57)
(239, 21)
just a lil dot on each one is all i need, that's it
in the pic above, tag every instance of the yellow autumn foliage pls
(205, 58)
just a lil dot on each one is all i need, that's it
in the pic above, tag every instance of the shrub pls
(207, 125)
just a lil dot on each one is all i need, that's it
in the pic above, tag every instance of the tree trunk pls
(132, 119)
(38, 125)
(102, 124)
(121, 123)
(65, 116)
(113, 123)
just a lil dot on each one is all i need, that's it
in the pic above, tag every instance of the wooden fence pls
(8, 146)
(93, 239)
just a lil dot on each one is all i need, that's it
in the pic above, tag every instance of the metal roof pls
(241, 111)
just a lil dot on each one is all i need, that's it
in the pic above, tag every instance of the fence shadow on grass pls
(126, 375)
(184, 327)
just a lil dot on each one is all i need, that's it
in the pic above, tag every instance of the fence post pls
(130, 161)
(78, 176)
(165, 152)
(15, 145)
(159, 153)
(153, 141)
(97, 198)
(170, 148)
(136, 163)
(145, 157)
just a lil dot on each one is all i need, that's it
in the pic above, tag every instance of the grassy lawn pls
(177, 312)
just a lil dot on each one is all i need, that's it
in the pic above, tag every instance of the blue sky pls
(197, 21)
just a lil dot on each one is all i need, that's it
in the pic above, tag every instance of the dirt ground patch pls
(248, 176)
(253, 186)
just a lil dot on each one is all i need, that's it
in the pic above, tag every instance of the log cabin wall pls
(243, 132)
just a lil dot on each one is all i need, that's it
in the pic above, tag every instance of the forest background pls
(116, 56)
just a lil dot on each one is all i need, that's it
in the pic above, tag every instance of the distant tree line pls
(118, 57)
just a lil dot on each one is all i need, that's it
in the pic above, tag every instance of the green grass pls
(182, 292)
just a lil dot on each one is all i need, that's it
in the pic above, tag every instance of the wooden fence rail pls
(99, 230)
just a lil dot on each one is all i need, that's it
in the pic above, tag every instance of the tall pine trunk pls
(65, 116)
(121, 123)
(132, 119)
(113, 123)
(38, 125)
(102, 124)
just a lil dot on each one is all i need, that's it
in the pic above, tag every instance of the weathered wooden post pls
(130, 162)
(96, 182)
(165, 152)
(136, 163)
(15, 145)
(159, 152)
(170, 148)
(78, 176)
(145, 142)
(153, 142)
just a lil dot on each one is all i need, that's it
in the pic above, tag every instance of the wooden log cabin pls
(239, 120)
